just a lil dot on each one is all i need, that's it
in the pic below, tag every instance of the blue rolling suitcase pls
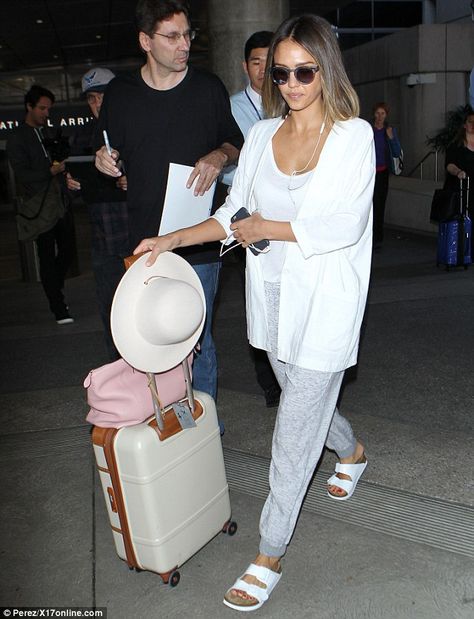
(454, 236)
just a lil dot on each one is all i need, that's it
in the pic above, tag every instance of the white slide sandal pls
(348, 485)
(261, 594)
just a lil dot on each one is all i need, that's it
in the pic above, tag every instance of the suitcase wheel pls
(230, 527)
(174, 579)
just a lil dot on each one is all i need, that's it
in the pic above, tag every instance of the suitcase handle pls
(113, 504)
(157, 407)
(464, 211)
(467, 197)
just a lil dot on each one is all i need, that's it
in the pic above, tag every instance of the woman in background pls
(386, 142)
(460, 159)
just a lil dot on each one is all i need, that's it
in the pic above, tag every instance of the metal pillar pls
(230, 25)
(429, 12)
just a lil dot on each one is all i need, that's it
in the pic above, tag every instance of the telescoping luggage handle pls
(158, 409)
(464, 211)
(186, 420)
(467, 197)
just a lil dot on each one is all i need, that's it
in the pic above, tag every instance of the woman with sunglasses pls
(306, 176)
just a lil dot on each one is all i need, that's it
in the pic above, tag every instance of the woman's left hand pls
(156, 245)
(249, 230)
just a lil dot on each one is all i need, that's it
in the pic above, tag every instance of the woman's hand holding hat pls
(205, 232)
(156, 245)
(158, 312)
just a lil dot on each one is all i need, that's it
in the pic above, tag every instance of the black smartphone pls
(243, 213)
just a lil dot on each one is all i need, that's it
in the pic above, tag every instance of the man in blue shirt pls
(246, 105)
(247, 110)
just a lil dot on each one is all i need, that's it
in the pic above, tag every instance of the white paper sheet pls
(181, 207)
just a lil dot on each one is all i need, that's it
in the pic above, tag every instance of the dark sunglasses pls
(304, 75)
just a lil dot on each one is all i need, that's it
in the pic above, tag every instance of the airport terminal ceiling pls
(63, 33)
(53, 41)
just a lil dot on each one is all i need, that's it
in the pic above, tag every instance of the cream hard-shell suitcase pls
(165, 489)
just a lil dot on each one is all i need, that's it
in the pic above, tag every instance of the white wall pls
(379, 72)
(409, 204)
(453, 10)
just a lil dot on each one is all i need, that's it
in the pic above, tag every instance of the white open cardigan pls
(325, 276)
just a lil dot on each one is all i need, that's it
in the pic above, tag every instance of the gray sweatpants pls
(307, 420)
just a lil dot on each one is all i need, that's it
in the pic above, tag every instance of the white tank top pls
(278, 197)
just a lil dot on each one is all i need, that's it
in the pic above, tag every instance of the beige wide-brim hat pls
(158, 313)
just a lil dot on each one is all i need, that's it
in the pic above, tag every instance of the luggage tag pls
(183, 415)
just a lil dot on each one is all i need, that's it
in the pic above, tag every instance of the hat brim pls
(101, 88)
(138, 352)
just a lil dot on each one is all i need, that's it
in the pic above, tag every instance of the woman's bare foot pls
(240, 598)
(358, 457)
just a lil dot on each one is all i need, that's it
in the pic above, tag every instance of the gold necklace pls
(295, 172)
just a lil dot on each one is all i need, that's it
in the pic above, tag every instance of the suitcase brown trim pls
(171, 423)
(171, 426)
(98, 435)
(129, 260)
(105, 437)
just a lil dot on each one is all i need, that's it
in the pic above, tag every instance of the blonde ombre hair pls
(315, 35)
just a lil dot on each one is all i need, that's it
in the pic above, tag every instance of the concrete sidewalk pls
(403, 547)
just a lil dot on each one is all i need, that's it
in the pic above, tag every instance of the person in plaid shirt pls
(106, 201)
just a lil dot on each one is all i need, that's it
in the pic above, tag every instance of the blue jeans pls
(205, 361)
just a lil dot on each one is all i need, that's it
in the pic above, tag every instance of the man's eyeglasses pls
(304, 75)
(174, 37)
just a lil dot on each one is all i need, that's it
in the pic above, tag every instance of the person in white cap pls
(106, 201)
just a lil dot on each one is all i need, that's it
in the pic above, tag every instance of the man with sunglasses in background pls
(170, 112)
(247, 109)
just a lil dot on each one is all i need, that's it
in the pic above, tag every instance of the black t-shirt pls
(153, 128)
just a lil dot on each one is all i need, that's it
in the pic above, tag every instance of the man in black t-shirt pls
(169, 112)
